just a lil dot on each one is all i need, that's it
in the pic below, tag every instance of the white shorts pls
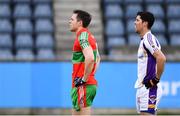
(147, 99)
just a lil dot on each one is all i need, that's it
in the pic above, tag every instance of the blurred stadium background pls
(35, 54)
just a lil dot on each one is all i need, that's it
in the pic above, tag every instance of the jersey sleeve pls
(150, 44)
(83, 40)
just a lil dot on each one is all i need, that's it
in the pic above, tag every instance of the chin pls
(137, 31)
(72, 30)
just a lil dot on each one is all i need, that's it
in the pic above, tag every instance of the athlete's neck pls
(143, 32)
(79, 29)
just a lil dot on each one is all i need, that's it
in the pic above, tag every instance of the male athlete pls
(85, 59)
(151, 62)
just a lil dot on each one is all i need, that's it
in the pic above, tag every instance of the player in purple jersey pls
(151, 62)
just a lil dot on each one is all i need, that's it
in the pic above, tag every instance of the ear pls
(146, 24)
(81, 23)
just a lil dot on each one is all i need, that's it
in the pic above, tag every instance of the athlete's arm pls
(89, 61)
(152, 46)
(160, 60)
(98, 59)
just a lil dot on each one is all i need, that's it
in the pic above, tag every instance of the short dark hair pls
(84, 16)
(147, 17)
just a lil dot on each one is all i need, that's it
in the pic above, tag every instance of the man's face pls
(74, 24)
(138, 24)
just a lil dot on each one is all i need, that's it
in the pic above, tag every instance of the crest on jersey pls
(83, 41)
(152, 98)
(153, 46)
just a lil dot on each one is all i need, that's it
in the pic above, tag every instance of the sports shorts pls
(147, 99)
(83, 96)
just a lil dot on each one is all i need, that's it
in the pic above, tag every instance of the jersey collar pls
(145, 35)
(81, 30)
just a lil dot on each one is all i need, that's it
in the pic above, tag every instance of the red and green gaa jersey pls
(83, 39)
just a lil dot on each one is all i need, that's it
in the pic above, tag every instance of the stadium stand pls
(5, 10)
(162, 39)
(44, 41)
(21, 23)
(113, 1)
(45, 54)
(153, 1)
(174, 26)
(24, 55)
(130, 28)
(173, 1)
(22, 11)
(132, 9)
(154, 8)
(6, 55)
(42, 24)
(114, 27)
(133, 39)
(42, 1)
(21, 1)
(43, 10)
(23, 26)
(5, 26)
(133, 1)
(159, 26)
(37, 30)
(5, 41)
(24, 41)
(175, 39)
(173, 11)
(64, 38)
(113, 11)
(116, 42)
(5, 1)
(166, 27)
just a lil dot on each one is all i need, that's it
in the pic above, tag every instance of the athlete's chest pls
(142, 53)
(76, 45)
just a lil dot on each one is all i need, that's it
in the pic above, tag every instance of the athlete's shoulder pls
(149, 37)
(82, 31)
(83, 37)
(151, 43)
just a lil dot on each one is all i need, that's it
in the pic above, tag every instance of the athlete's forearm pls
(89, 63)
(97, 63)
(160, 65)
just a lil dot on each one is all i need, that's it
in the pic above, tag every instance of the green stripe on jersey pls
(83, 40)
(78, 57)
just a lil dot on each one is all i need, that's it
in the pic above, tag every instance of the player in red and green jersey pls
(85, 59)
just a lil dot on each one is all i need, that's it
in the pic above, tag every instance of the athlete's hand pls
(78, 82)
(151, 83)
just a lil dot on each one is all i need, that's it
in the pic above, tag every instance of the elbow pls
(99, 58)
(162, 58)
(90, 59)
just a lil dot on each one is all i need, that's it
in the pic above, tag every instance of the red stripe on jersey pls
(84, 96)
